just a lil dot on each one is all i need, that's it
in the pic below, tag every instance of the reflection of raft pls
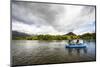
(76, 46)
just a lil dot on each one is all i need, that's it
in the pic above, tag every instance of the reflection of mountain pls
(18, 34)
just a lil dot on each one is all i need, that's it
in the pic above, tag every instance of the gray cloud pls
(50, 18)
(87, 10)
(31, 13)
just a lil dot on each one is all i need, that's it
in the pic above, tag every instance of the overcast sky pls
(55, 19)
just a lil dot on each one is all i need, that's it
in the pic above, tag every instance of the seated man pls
(77, 42)
(70, 42)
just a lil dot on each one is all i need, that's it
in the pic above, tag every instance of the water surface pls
(32, 52)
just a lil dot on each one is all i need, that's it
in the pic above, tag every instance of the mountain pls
(18, 34)
(70, 33)
(89, 36)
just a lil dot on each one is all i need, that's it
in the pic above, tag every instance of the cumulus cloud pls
(42, 18)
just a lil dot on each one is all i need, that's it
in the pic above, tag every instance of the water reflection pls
(77, 51)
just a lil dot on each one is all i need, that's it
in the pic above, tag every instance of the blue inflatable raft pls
(76, 46)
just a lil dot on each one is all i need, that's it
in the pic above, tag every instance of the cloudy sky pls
(55, 19)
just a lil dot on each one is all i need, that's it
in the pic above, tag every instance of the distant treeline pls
(87, 36)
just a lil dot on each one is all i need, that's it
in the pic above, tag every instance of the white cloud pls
(33, 29)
